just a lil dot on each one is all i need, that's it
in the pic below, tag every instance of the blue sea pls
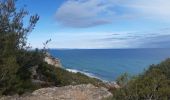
(108, 64)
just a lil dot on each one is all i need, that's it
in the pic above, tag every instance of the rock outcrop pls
(112, 85)
(78, 92)
(52, 61)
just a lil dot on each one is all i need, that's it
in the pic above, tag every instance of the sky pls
(100, 24)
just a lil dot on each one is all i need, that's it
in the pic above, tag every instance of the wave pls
(83, 72)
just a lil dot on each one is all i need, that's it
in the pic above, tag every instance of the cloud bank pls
(149, 39)
(159, 38)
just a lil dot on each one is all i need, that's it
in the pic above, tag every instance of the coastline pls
(108, 84)
(91, 75)
(57, 63)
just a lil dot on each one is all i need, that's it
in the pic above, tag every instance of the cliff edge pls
(52, 61)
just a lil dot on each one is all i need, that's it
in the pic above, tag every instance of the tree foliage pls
(15, 59)
(153, 84)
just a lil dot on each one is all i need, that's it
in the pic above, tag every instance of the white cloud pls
(158, 9)
(87, 40)
(96, 40)
(87, 13)
(147, 39)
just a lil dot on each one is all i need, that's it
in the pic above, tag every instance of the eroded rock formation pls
(52, 61)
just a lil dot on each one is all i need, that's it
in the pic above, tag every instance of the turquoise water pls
(108, 64)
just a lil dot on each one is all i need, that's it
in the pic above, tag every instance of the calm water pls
(108, 64)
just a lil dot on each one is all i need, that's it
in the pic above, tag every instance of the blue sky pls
(96, 24)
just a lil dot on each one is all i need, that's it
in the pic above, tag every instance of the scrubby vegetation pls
(153, 84)
(62, 77)
(17, 59)
(17, 62)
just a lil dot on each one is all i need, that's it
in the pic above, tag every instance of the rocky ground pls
(78, 92)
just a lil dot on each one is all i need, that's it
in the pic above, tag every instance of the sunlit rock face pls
(52, 61)
(78, 92)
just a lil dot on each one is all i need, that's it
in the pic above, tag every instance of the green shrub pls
(62, 77)
(153, 84)
(16, 58)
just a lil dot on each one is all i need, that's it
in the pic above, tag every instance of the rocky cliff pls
(52, 61)
(78, 92)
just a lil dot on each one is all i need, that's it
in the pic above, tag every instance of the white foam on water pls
(85, 73)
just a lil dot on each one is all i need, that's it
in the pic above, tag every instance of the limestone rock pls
(52, 61)
(78, 92)
(112, 85)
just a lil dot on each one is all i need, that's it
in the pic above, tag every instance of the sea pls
(108, 64)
